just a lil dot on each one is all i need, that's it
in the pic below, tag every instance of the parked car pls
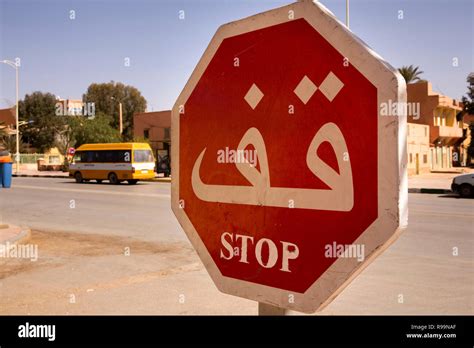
(464, 185)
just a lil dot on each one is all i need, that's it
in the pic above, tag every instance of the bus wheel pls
(132, 182)
(113, 179)
(78, 177)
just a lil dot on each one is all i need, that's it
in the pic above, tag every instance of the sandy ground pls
(85, 272)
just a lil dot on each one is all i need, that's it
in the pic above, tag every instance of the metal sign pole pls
(267, 310)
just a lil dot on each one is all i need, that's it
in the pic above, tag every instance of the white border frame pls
(392, 174)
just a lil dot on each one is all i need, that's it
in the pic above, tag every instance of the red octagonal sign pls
(289, 157)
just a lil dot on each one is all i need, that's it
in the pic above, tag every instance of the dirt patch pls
(57, 248)
(78, 244)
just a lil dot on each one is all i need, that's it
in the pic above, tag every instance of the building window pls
(146, 134)
(408, 130)
(411, 158)
(167, 133)
(426, 131)
(425, 158)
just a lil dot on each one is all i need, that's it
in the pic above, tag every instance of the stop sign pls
(288, 178)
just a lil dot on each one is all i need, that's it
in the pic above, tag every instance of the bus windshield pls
(142, 156)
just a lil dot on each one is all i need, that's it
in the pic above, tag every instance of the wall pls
(158, 125)
(418, 146)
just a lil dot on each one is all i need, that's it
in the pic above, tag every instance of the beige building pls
(155, 127)
(418, 149)
(445, 132)
(69, 107)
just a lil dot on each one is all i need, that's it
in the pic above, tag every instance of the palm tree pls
(8, 142)
(410, 73)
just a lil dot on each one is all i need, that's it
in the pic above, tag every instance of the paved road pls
(83, 267)
(141, 211)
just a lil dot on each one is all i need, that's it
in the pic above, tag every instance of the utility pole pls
(17, 155)
(120, 115)
(347, 14)
(120, 118)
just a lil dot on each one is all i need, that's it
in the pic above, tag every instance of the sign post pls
(269, 310)
(290, 174)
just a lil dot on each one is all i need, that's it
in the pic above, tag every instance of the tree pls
(66, 137)
(3, 130)
(470, 148)
(9, 143)
(141, 139)
(107, 97)
(410, 73)
(39, 109)
(91, 131)
(468, 109)
(468, 100)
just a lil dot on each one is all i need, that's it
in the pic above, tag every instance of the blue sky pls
(63, 56)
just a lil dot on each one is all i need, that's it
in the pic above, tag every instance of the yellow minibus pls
(115, 162)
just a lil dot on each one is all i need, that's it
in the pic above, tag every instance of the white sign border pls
(392, 174)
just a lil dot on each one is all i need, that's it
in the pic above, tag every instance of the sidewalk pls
(11, 234)
(439, 182)
(55, 174)
(38, 174)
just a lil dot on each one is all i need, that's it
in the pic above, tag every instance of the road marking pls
(155, 195)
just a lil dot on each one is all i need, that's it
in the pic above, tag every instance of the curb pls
(162, 180)
(429, 190)
(41, 176)
(68, 177)
(449, 171)
(168, 180)
(23, 236)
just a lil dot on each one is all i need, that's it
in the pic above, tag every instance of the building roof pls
(425, 88)
(7, 116)
(153, 119)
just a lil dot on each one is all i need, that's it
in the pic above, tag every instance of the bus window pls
(77, 157)
(109, 156)
(89, 157)
(142, 156)
(100, 156)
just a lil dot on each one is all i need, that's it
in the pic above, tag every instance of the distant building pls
(69, 107)
(445, 132)
(155, 127)
(418, 149)
(7, 119)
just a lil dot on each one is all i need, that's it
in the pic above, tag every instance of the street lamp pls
(120, 115)
(347, 14)
(17, 155)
